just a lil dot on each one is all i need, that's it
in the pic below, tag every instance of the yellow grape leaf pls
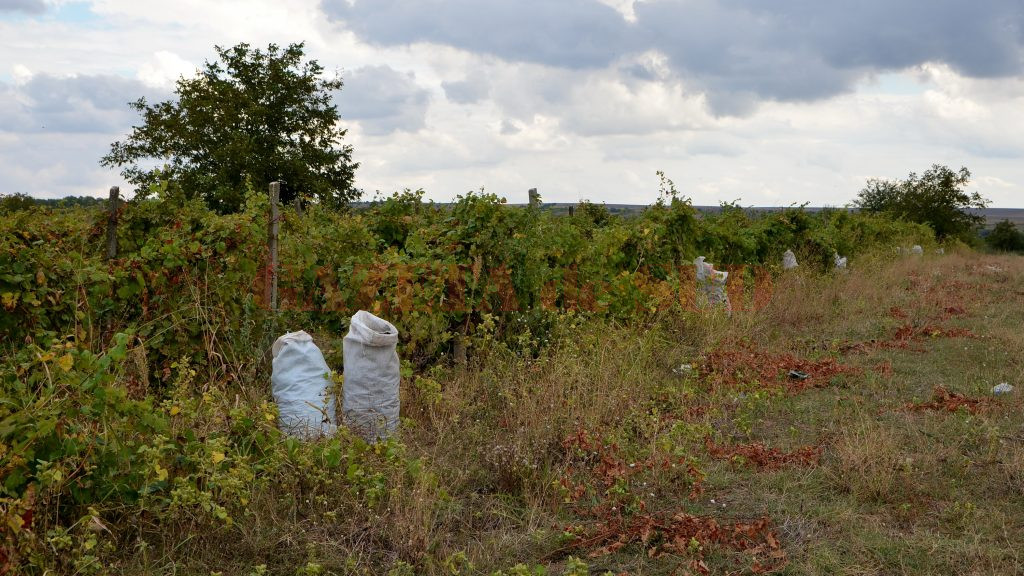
(161, 473)
(66, 362)
(217, 457)
(15, 522)
(8, 299)
(269, 416)
(40, 277)
(175, 410)
(46, 356)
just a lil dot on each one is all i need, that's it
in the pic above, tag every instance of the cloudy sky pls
(768, 103)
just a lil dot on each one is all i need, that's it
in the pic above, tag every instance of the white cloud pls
(164, 69)
(21, 74)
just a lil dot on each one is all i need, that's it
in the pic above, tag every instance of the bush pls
(936, 198)
(1005, 237)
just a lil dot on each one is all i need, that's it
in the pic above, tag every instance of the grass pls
(599, 450)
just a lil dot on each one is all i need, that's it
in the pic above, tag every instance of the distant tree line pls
(10, 203)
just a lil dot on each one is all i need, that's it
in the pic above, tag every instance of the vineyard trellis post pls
(112, 206)
(534, 198)
(272, 233)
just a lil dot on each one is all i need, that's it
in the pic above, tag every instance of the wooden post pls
(272, 232)
(112, 206)
(534, 198)
(459, 350)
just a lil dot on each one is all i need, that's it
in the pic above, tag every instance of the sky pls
(765, 103)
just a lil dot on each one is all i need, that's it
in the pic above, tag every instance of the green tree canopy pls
(936, 198)
(250, 116)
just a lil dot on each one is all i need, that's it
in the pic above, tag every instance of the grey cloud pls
(569, 33)
(77, 104)
(805, 50)
(474, 88)
(739, 52)
(27, 6)
(383, 100)
(509, 128)
(640, 71)
(980, 39)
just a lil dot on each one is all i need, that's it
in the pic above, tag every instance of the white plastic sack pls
(917, 250)
(711, 285)
(372, 372)
(840, 261)
(301, 383)
(789, 260)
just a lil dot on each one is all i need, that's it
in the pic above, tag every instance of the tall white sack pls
(301, 383)
(372, 372)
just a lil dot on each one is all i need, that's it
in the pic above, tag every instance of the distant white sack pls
(1003, 388)
(789, 260)
(917, 250)
(840, 261)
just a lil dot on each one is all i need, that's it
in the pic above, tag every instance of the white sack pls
(917, 250)
(301, 383)
(789, 260)
(711, 285)
(372, 372)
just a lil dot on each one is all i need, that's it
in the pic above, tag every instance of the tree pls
(249, 117)
(9, 204)
(1006, 237)
(936, 198)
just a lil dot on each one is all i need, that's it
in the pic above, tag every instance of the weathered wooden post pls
(459, 350)
(534, 198)
(112, 206)
(272, 232)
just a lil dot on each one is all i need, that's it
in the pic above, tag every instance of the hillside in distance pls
(992, 215)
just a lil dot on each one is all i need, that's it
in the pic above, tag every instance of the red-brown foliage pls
(943, 399)
(728, 367)
(763, 457)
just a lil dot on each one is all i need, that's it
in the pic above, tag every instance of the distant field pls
(993, 215)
